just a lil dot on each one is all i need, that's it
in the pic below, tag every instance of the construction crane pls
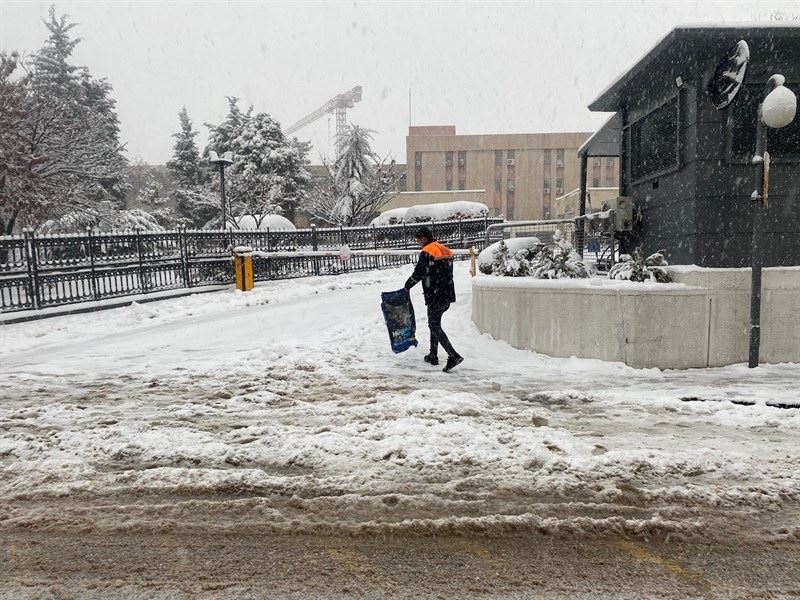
(338, 105)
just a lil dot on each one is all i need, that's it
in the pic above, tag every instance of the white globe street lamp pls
(777, 110)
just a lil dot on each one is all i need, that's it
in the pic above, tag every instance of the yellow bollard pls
(472, 262)
(243, 268)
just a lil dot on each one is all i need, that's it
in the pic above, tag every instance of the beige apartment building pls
(522, 173)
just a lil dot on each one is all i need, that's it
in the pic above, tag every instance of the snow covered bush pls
(104, 218)
(639, 268)
(441, 211)
(509, 257)
(262, 223)
(561, 262)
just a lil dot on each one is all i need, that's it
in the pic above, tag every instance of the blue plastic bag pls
(399, 315)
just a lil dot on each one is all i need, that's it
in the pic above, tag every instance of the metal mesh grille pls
(783, 142)
(654, 141)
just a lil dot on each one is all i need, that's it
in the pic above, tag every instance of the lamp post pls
(221, 162)
(777, 110)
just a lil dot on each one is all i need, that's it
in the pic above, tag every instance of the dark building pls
(687, 166)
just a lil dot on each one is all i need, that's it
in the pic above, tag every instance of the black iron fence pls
(41, 271)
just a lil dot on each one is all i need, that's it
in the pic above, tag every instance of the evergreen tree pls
(185, 164)
(639, 268)
(267, 175)
(360, 182)
(71, 135)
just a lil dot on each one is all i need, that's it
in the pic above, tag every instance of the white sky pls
(483, 67)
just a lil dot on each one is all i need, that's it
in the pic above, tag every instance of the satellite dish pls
(729, 75)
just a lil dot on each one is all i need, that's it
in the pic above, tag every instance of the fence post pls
(93, 280)
(374, 245)
(142, 283)
(405, 237)
(33, 270)
(187, 282)
(315, 247)
(460, 234)
(269, 260)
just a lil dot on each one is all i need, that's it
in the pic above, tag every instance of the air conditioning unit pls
(511, 161)
(559, 163)
(546, 190)
(462, 162)
(510, 187)
(559, 190)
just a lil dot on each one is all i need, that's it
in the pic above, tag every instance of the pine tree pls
(267, 175)
(185, 164)
(639, 268)
(71, 135)
(560, 262)
(360, 182)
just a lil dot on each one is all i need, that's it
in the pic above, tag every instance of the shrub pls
(639, 268)
(561, 262)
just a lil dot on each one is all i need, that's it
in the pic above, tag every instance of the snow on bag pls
(399, 315)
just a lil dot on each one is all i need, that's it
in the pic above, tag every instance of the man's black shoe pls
(431, 359)
(452, 363)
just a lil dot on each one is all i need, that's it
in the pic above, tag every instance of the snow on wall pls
(443, 211)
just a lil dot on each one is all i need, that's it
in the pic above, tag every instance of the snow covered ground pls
(284, 410)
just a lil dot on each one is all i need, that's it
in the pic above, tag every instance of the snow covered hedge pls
(444, 211)
(528, 257)
(639, 268)
(262, 223)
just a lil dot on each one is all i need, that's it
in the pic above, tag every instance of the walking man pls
(435, 270)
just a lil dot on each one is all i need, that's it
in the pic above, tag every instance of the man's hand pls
(410, 282)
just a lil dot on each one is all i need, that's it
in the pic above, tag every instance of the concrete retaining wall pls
(701, 320)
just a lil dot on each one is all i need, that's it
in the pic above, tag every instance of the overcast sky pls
(483, 67)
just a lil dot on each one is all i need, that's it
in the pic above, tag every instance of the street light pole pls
(222, 162)
(776, 110)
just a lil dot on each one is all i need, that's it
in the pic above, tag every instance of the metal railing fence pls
(39, 271)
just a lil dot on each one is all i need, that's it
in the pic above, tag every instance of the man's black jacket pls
(435, 270)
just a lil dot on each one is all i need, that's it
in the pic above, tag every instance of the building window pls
(596, 181)
(546, 186)
(462, 169)
(654, 141)
(418, 171)
(560, 158)
(448, 170)
(596, 162)
(498, 158)
(609, 162)
(512, 154)
(781, 143)
(497, 185)
(559, 186)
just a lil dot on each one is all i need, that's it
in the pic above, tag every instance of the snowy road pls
(283, 411)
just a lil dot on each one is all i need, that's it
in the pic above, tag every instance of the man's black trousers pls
(438, 336)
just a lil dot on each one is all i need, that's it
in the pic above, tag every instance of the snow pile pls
(444, 211)
(263, 222)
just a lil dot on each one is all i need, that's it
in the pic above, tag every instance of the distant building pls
(522, 173)
(688, 166)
